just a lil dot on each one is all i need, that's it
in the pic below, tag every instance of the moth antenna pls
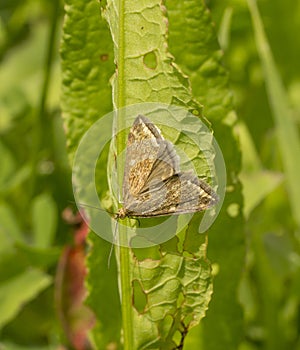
(112, 245)
(91, 206)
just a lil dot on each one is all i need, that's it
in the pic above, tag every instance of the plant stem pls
(124, 252)
(126, 297)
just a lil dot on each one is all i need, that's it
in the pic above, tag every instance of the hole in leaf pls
(233, 210)
(150, 60)
(104, 57)
(139, 297)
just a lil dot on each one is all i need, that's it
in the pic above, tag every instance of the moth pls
(153, 184)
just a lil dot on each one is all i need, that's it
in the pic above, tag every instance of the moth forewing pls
(153, 184)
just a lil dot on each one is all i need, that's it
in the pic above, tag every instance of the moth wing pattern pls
(153, 184)
(180, 194)
(149, 158)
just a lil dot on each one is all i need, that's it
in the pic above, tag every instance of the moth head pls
(121, 214)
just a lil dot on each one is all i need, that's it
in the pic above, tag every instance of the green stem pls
(124, 252)
(126, 298)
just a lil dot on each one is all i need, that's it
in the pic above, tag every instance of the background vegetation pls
(43, 247)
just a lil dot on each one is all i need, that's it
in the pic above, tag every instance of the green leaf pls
(103, 295)
(176, 290)
(194, 44)
(8, 164)
(287, 131)
(10, 231)
(225, 26)
(257, 182)
(10, 176)
(24, 79)
(139, 30)
(44, 220)
(147, 73)
(38, 257)
(12, 346)
(87, 66)
(17, 291)
(257, 186)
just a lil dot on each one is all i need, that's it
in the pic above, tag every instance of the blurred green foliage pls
(35, 178)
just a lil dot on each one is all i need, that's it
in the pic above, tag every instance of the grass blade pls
(288, 137)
